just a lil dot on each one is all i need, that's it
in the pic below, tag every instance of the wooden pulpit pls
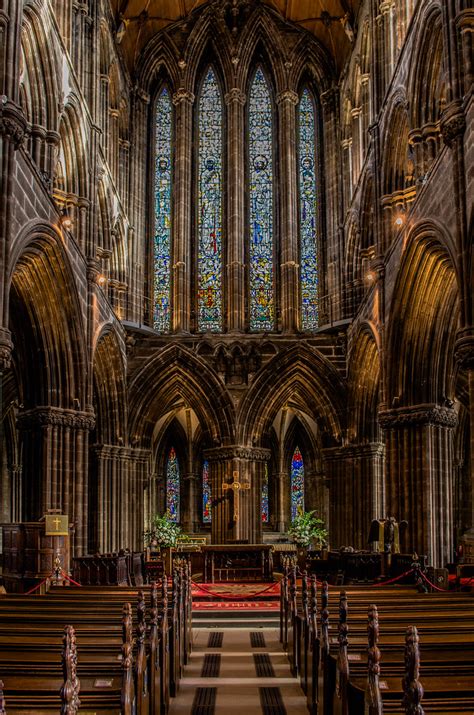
(29, 551)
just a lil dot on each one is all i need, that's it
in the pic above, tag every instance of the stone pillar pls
(282, 501)
(55, 448)
(420, 476)
(122, 475)
(356, 492)
(189, 502)
(249, 464)
(464, 354)
(182, 269)
(288, 200)
(334, 208)
(235, 291)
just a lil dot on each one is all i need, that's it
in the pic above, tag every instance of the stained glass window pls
(308, 212)
(260, 150)
(297, 483)
(265, 508)
(210, 206)
(206, 494)
(172, 485)
(162, 242)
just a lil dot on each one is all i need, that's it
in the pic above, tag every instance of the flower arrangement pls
(163, 531)
(306, 527)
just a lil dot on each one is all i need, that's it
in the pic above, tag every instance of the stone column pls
(249, 464)
(356, 492)
(288, 200)
(420, 476)
(235, 290)
(282, 501)
(55, 447)
(182, 268)
(464, 354)
(189, 515)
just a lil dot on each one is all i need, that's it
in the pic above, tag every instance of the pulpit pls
(29, 554)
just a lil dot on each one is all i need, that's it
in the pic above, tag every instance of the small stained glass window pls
(210, 206)
(163, 186)
(260, 153)
(173, 485)
(206, 494)
(297, 483)
(308, 212)
(265, 507)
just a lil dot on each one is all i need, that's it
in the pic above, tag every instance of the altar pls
(238, 562)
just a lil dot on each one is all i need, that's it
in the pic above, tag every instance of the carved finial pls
(373, 699)
(325, 619)
(154, 604)
(2, 700)
(128, 691)
(304, 595)
(342, 660)
(411, 685)
(313, 605)
(70, 690)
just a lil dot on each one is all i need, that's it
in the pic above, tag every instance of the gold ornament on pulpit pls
(236, 487)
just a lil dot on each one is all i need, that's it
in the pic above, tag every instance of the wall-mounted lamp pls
(370, 276)
(101, 279)
(65, 220)
(399, 221)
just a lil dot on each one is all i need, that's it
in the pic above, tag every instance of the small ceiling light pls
(65, 220)
(399, 221)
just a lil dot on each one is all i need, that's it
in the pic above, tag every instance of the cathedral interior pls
(237, 237)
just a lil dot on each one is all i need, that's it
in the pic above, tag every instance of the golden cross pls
(57, 523)
(236, 486)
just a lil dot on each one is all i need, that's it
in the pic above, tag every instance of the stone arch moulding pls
(177, 372)
(303, 376)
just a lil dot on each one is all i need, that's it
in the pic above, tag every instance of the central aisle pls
(237, 670)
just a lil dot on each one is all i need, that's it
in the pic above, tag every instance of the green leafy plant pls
(307, 528)
(163, 532)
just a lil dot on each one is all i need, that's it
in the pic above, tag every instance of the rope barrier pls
(437, 588)
(51, 575)
(375, 585)
(226, 597)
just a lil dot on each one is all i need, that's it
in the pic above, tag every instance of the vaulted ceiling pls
(331, 21)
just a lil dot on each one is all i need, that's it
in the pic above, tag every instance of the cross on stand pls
(236, 486)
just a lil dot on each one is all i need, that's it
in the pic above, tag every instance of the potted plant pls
(307, 529)
(163, 534)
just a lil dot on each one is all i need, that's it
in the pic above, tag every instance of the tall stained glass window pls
(162, 242)
(210, 206)
(260, 151)
(297, 482)
(172, 485)
(308, 212)
(265, 507)
(206, 494)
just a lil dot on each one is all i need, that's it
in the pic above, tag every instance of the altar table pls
(238, 562)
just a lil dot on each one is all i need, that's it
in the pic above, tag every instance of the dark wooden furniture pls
(238, 562)
(29, 555)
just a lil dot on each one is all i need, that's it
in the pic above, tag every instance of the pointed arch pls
(305, 378)
(176, 373)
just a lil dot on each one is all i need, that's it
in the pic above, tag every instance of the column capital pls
(235, 95)
(46, 416)
(414, 415)
(453, 122)
(6, 347)
(183, 95)
(12, 121)
(219, 454)
(288, 96)
(464, 348)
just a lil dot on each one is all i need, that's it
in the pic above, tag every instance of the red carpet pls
(236, 591)
(236, 605)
